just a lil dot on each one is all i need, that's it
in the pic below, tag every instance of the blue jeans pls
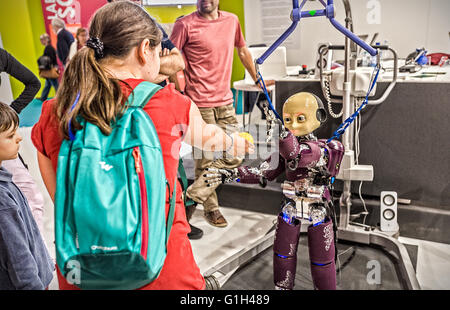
(48, 85)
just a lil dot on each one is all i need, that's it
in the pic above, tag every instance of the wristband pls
(257, 82)
(232, 142)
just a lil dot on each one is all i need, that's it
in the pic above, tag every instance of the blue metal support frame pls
(297, 14)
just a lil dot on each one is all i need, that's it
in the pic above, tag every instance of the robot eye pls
(301, 118)
(287, 119)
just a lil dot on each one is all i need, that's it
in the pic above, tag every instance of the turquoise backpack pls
(110, 223)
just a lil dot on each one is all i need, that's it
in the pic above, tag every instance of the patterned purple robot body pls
(335, 151)
(311, 155)
(309, 165)
(299, 159)
(315, 160)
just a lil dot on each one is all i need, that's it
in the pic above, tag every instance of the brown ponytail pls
(120, 26)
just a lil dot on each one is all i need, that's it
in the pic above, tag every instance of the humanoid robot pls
(310, 166)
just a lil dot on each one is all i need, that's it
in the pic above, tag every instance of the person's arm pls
(66, 41)
(172, 62)
(59, 50)
(210, 137)
(72, 50)
(175, 80)
(171, 59)
(51, 52)
(48, 174)
(169, 67)
(247, 60)
(20, 263)
(32, 84)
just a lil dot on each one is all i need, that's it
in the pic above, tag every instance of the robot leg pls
(322, 254)
(285, 253)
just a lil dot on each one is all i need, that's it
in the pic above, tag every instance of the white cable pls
(345, 251)
(328, 98)
(364, 203)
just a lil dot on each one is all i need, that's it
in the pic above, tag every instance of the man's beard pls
(207, 10)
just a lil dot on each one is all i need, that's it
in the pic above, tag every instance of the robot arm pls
(289, 145)
(268, 170)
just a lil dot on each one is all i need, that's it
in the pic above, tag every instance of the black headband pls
(97, 46)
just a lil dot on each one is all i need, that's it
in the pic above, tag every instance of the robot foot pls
(285, 253)
(322, 253)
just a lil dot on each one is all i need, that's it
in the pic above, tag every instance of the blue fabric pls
(165, 42)
(24, 259)
(30, 115)
(119, 181)
(48, 85)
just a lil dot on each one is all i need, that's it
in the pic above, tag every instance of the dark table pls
(406, 139)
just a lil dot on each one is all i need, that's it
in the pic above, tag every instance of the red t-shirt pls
(208, 49)
(169, 111)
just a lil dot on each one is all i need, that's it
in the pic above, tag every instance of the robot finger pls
(214, 184)
(213, 180)
(219, 171)
(212, 175)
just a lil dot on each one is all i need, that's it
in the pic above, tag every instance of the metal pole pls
(345, 200)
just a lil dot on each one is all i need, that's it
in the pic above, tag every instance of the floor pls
(433, 259)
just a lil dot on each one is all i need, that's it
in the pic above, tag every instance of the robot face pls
(300, 114)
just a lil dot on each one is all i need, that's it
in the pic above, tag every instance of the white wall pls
(404, 24)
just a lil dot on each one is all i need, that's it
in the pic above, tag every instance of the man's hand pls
(267, 83)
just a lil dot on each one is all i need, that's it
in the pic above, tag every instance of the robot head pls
(303, 113)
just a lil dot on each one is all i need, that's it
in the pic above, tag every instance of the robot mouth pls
(297, 132)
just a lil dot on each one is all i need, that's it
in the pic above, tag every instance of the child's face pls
(9, 144)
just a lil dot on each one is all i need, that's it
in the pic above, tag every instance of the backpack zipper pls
(144, 202)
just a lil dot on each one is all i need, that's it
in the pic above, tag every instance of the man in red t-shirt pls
(207, 39)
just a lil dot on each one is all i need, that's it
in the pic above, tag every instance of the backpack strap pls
(143, 92)
(171, 214)
(182, 173)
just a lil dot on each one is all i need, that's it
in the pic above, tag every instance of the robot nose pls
(296, 125)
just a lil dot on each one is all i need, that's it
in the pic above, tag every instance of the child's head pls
(9, 136)
(121, 33)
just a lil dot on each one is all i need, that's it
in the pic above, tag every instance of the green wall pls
(21, 24)
(236, 7)
(168, 14)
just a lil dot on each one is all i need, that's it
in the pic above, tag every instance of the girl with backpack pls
(121, 58)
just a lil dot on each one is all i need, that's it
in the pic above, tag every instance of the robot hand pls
(272, 122)
(216, 176)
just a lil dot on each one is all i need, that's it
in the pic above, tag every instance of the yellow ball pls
(247, 137)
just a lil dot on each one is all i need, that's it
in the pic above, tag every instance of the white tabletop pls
(242, 85)
(427, 74)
